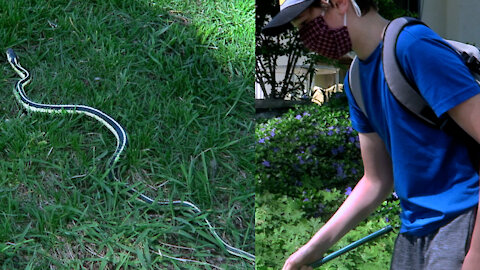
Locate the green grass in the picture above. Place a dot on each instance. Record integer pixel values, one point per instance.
(178, 75)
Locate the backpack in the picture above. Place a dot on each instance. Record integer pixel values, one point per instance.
(408, 95)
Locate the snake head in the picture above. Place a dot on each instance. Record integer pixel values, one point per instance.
(11, 56)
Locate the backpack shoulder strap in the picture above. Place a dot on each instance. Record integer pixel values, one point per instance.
(409, 96)
(355, 86)
(403, 91)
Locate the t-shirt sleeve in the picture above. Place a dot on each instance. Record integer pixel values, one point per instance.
(437, 70)
(359, 121)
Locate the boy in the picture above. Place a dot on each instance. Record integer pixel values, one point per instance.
(430, 171)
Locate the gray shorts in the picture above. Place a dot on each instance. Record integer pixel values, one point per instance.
(442, 250)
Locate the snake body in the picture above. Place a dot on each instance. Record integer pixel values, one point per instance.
(120, 135)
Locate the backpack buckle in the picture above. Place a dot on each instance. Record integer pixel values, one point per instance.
(471, 61)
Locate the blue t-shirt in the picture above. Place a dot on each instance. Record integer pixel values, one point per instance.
(433, 175)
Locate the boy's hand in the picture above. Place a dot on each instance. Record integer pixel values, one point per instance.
(300, 259)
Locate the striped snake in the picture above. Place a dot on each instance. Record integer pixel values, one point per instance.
(121, 136)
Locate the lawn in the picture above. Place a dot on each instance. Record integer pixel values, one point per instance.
(178, 76)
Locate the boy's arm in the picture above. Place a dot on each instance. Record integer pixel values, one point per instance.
(467, 115)
(369, 193)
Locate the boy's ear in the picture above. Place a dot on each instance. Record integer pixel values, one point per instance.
(342, 5)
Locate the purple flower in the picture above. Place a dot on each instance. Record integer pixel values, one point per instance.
(298, 116)
(276, 149)
(272, 133)
(340, 172)
(300, 159)
(348, 191)
(351, 139)
(338, 150)
(266, 163)
(306, 114)
(262, 140)
(306, 200)
(387, 219)
(395, 195)
(321, 206)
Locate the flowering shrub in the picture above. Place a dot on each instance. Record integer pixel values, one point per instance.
(309, 147)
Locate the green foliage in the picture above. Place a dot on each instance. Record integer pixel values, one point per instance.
(281, 227)
(390, 10)
(310, 147)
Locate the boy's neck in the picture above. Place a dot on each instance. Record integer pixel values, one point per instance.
(366, 33)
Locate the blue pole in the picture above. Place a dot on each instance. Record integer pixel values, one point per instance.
(351, 246)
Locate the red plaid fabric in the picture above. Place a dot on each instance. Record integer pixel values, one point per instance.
(331, 43)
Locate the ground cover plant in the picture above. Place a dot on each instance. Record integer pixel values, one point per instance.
(283, 224)
(308, 161)
(179, 77)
